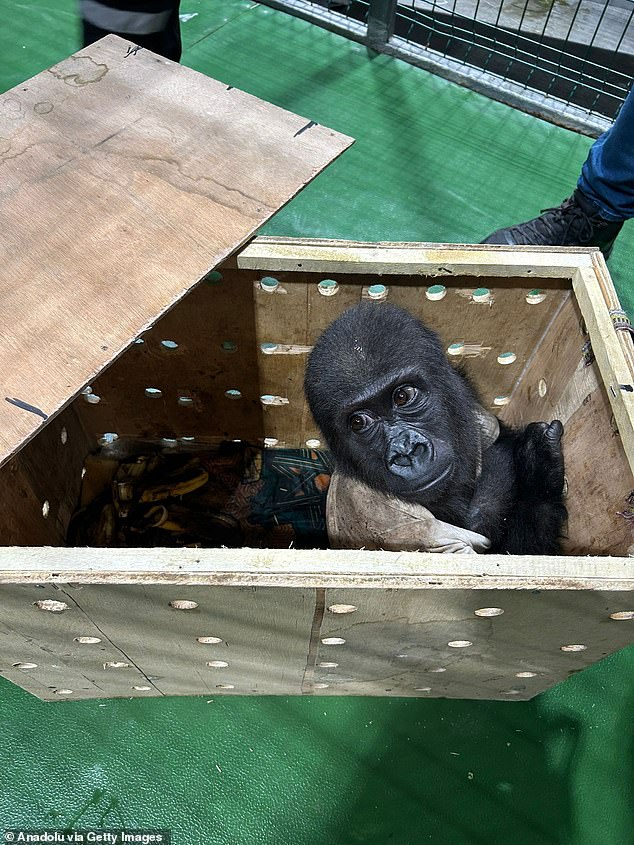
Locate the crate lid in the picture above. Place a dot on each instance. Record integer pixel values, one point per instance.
(125, 179)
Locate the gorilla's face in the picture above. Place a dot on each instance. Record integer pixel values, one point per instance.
(392, 409)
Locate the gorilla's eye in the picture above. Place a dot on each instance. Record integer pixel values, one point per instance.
(358, 422)
(403, 395)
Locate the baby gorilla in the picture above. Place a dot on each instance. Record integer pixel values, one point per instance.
(398, 417)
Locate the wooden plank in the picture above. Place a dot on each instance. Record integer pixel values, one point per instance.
(249, 640)
(125, 179)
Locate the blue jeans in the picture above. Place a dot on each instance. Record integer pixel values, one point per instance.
(607, 176)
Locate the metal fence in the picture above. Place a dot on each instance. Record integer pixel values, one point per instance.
(569, 61)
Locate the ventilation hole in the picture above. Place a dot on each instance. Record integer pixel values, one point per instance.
(342, 608)
(142, 689)
(510, 692)
(269, 348)
(327, 287)
(63, 692)
(422, 689)
(436, 292)
(213, 278)
(169, 344)
(437, 669)
(377, 292)
(232, 393)
(153, 392)
(91, 398)
(116, 664)
(217, 664)
(51, 605)
(169, 442)
(269, 442)
(208, 640)
(46, 509)
(333, 641)
(139, 341)
(269, 399)
(87, 640)
(501, 400)
(313, 443)
(526, 674)
(507, 358)
(455, 349)
(187, 438)
(83, 471)
(321, 686)
(622, 614)
(459, 643)
(481, 295)
(225, 686)
(228, 346)
(534, 297)
(180, 604)
(269, 284)
(574, 647)
(108, 437)
(327, 664)
(236, 440)
(489, 611)
(24, 665)
(63, 436)
(185, 401)
(542, 388)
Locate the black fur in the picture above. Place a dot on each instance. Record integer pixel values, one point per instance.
(400, 418)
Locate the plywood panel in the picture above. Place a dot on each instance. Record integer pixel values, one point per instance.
(365, 623)
(125, 179)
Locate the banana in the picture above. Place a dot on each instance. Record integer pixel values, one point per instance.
(185, 481)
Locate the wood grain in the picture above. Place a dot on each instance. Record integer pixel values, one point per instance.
(125, 179)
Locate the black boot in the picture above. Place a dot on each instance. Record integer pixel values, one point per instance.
(576, 222)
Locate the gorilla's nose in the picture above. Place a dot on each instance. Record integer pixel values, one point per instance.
(406, 449)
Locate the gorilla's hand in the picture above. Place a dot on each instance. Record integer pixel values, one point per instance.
(539, 461)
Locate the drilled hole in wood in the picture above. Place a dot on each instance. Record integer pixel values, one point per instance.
(208, 640)
(489, 611)
(63, 436)
(320, 686)
(501, 400)
(268, 348)
(327, 664)
(217, 664)
(333, 641)
(342, 608)
(46, 509)
(108, 437)
(225, 686)
(233, 393)
(422, 689)
(116, 664)
(153, 392)
(183, 604)
(455, 349)
(506, 358)
(510, 692)
(142, 689)
(574, 647)
(437, 669)
(269, 442)
(313, 443)
(526, 674)
(328, 287)
(620, 615)
(169, 344)
(269, 284)
(377, 292)
(213, 278)
(91, 397)
(542, 388)
(87, 640)
(459, 643)
(24, 665)
(482, 295)
(185, 401)
(169, 442)
(63, 692)
(228, 346)
(139, 341)
(436, 293)
(187, 438)
(534, 297)
(51, 605)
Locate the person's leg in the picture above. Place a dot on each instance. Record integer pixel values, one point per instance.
(604, 198)
(153, 24)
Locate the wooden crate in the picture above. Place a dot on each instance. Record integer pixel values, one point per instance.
(117, 202)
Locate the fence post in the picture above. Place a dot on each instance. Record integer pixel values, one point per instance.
(380, 23)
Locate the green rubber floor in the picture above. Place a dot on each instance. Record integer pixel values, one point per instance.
(432, 162)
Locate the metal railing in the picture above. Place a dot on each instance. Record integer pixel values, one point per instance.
(568, 61)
